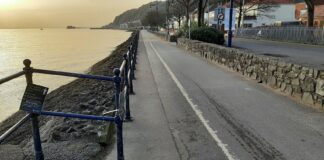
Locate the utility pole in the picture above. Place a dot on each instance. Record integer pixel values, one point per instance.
(230, 32)
(208, 13)
(167, 19)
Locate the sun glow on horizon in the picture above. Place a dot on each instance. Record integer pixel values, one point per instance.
(60, 13)
(7, 3)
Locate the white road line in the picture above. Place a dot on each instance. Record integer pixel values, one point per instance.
(196, 109)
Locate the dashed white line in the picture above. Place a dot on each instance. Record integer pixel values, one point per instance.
(198, 112)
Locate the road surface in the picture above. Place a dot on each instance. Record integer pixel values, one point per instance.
(186, 108)
(309, 55)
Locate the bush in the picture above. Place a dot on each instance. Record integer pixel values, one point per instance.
(208, 34)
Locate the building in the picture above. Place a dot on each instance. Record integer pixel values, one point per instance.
(302, 15)
(282, 11)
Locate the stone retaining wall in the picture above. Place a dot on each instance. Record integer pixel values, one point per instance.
(304, 83)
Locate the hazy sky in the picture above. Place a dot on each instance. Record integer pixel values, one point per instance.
(60, 13)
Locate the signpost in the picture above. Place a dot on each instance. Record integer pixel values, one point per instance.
(219, 16)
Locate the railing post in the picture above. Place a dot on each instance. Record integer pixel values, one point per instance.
(36, 135)
(131, 89)
(117, 81)
(28, 70)
(118, 119)
(120, 147)
(128, 117)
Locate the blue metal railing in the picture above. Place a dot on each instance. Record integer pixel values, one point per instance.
(123, 80)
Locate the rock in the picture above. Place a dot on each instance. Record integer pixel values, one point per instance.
(88, 128)
(99, 109)
(272, 68)
(296, 68)
(302, 76)
(87, 112)
(320, 87)
(249, 69)
(292, 75)
(297, 89)
(70, 130)
(309, 85)
(316, 72)
(11, 152)
(288, 89)
(281, 64)
(283, 87)
(83, 106)
(308, 98)
(295, 82)
(254, 76)
(273, 82)
(321, 74)
(93, 102)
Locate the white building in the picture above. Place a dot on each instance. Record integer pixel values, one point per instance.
(284, 12)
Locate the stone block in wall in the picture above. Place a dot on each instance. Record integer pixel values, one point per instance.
(296, 68)
(272, 82)
(320, 87)
(308, 85)
(283, 87)
(295, 82)
(282, 64)
(308, 98)
(297, 91)
(321, 74)
(292, 74)
(315, 74)
(289, 89)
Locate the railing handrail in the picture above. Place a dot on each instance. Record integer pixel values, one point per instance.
(126, 71)
(11, 77)
(70, 74)
(14, 127)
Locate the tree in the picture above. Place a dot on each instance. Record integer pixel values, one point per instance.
(202, 4)
(154, 19)
(262, 7)
(177, 12)
(200, 13)
(310, 11)
(186, 4)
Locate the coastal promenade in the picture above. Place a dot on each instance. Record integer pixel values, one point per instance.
(187, 108)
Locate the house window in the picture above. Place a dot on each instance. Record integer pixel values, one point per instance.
(322, 24)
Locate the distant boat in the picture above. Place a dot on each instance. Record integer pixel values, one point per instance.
(71, 27)
(41, 28)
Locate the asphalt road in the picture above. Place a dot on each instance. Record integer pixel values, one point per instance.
(309, 55)
(187, 108)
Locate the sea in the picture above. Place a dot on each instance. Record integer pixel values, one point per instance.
(71, 50)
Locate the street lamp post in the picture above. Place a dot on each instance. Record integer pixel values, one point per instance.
(230, 32)
(167, 3)
(167, 19)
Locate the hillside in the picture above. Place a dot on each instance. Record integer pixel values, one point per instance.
(137, 14)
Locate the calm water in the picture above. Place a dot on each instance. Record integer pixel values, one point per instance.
(55, 49)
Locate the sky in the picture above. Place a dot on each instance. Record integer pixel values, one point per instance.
(60, 13)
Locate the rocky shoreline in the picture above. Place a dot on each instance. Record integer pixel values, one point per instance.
(66, 138)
